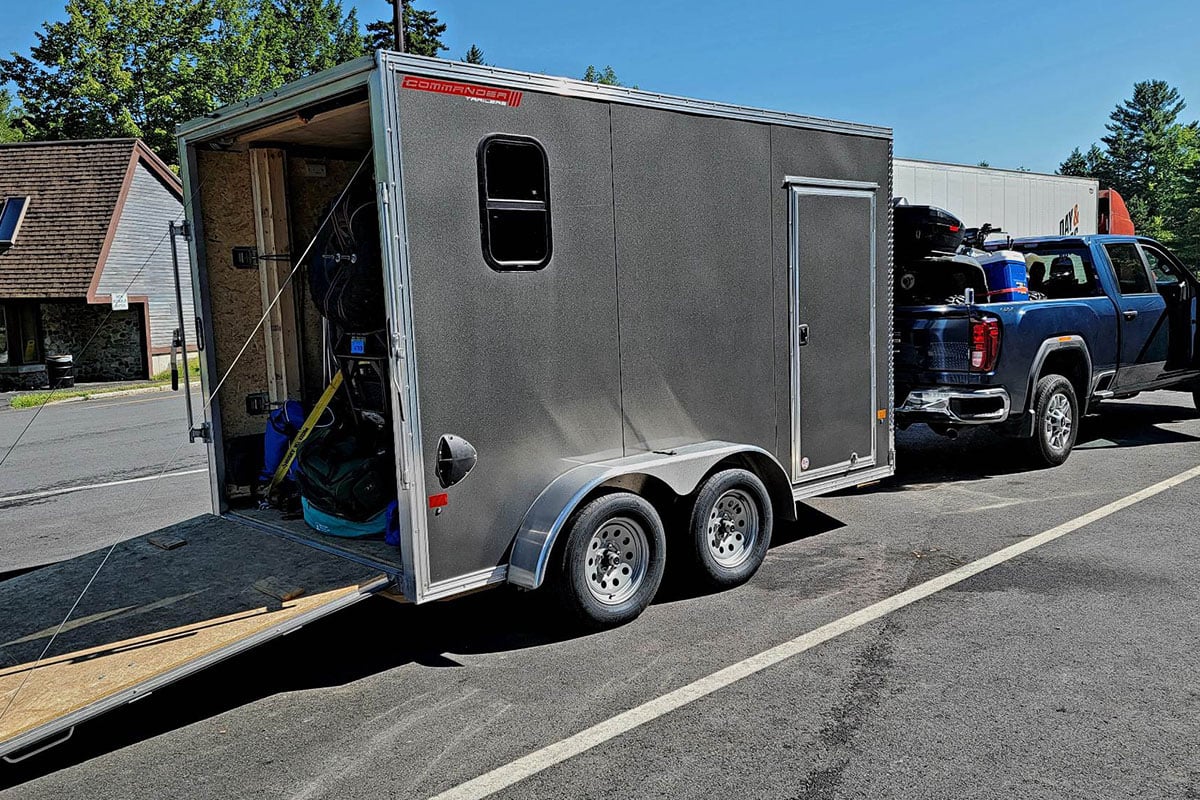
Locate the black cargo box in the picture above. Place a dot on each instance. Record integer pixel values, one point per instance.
(921, 230)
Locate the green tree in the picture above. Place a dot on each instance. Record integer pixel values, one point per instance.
(474, 56)
(422, 32)
(9, 119)
(117, 68)
(1146, 147)
(607, 76)
(258, 45)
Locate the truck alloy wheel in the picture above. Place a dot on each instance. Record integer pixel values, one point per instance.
(1056, 420)
(730, 528)
(612, 560)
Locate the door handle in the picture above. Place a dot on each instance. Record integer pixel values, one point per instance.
(1130, 314)
(803, 330)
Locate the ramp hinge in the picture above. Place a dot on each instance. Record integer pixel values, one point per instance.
(182, 229)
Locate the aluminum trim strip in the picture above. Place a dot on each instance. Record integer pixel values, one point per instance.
(494, 76)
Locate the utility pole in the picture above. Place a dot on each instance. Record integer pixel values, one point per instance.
(398, 23)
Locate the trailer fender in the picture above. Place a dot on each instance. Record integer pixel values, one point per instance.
(681, 469)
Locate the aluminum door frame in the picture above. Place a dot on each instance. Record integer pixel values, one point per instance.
(798, 187)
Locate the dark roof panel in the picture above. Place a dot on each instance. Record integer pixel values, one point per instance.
(74, 187)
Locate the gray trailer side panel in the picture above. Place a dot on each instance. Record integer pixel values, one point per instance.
(693, 210)
(521, 364)
(838, 157)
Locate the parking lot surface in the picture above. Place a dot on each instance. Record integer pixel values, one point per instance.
(1066, 671)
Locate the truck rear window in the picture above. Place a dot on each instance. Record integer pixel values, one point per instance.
(1060, 272)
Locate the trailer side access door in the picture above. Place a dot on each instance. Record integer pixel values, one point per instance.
(161, 607)
(832, 262)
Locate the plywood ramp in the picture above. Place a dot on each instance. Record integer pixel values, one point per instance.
(153, 614)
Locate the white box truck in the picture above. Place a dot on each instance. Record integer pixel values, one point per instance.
(1017, 202)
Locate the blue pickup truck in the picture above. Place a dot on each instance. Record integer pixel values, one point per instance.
(1113, 316)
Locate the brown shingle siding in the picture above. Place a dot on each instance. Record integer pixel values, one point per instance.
(75, 187)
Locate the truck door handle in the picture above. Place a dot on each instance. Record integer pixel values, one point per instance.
(803, 329)
(1130, 314)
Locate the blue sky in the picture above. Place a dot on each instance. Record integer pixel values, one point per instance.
(1017, 84)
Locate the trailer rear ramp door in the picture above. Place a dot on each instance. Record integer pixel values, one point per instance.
(164, 605)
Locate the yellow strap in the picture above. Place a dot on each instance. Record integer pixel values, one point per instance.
(311, 422)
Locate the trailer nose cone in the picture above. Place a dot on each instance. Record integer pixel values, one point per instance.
(456, 457)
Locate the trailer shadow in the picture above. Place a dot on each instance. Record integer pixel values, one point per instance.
(317, 657)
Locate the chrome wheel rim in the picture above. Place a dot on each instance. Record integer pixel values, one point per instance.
(732, 528)
(618, 556)
(1058, 422)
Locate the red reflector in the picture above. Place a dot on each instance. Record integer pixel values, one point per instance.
(439, 500)
(954, 229)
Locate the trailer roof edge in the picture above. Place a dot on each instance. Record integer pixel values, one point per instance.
(353, 73)
(570, 87)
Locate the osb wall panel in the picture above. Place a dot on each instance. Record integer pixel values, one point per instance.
(227, 213)
(310, 196)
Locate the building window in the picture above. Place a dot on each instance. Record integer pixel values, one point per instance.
(514, 203)
(3, 336)
(12, 212)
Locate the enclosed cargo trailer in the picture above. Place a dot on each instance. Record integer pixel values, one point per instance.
(617, 327)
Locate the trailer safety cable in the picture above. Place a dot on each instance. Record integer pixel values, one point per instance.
(171, 460)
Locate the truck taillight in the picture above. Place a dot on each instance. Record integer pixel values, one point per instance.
(985, 344)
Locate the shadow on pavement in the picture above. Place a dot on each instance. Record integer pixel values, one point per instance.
(923, 457)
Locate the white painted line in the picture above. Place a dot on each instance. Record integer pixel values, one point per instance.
(502, 777)
(17, 498)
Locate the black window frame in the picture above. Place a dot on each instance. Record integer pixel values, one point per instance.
(488, 204)
(1147, 274)
(1161, 255)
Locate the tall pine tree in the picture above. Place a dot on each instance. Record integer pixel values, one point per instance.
(422, 32)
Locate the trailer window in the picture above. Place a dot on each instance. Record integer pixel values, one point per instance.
(514, 203)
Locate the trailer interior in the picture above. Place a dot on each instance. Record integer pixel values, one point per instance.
(278, 202)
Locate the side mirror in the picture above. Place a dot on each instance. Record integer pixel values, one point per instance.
(456, 457)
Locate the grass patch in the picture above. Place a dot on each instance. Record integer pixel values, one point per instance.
(35, 399)
(165, 375)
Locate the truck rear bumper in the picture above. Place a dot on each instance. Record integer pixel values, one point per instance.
(956, 406)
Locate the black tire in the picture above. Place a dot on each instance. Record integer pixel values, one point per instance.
(1055, 421)
(730, 528)
(603, 555)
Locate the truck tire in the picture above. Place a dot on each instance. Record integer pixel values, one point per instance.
(1055, 421)
(612, 560)
(730, 528)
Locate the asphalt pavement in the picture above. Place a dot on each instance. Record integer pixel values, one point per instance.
(77, 477)
(1068, 671)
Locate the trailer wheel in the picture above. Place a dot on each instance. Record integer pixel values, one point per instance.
(1055, 421)
(730, 528)
(612, 560)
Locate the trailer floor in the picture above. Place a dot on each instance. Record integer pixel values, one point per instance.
(151, 610)
(372, 550)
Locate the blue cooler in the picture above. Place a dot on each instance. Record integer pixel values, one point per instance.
(1007, 277)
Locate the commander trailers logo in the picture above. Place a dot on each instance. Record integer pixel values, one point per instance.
(471, 91)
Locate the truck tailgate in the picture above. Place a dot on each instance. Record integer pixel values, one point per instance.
(163, 606)
(932, 339)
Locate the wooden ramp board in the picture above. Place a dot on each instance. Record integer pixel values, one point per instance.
(152, 616)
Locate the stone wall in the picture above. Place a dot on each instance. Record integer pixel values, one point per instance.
(118, 353)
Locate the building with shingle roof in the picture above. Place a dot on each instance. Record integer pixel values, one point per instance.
(85, 259)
